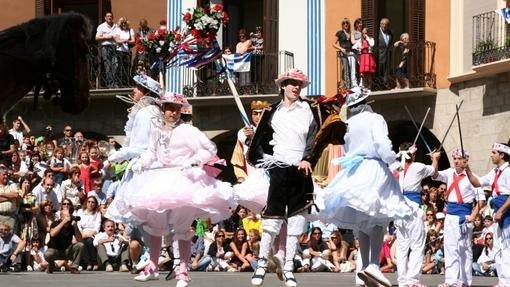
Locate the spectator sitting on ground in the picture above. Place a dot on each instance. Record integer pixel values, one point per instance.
(11, 247)
(37, 254)
(220, 253)
(60, 245)
(72, 188)
(112, 248)
(89, 225)
(254, 246)
(387, 264)
(197, 251)
(317, 253)
(239, 246)
(337, 250)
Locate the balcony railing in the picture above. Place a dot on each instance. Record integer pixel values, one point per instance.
(491, 38)
(264, 69)
(420, 67)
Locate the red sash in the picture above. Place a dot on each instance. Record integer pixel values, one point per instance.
(455, 185)
(495, 186)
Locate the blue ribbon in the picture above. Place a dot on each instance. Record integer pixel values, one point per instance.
(496, 203)
(414, 196)
(461, 210)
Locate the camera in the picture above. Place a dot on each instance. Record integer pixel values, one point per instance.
(76, 218)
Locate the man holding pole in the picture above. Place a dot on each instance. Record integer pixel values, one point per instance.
(461, 209)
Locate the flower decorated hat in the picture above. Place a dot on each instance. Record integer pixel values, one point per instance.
(356, 95)
(293, 74)
(173, 98)
(259, 105)
(459, 153)
(501, 148)
(148, 83)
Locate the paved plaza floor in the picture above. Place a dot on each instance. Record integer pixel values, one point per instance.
(199, 279)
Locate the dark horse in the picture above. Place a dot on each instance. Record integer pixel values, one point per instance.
(48, 53)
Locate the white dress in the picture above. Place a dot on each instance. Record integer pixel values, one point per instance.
(364, 193)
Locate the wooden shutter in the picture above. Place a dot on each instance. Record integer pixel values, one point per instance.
(369, 16)
(270, 35)
(42, 7)
(416, 30)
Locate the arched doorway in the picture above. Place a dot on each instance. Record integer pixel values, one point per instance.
(401, 131)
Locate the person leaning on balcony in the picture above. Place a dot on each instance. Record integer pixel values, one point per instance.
(401, 74)
(125, 39)
(344, 46)
(244, 46)
(105, 36)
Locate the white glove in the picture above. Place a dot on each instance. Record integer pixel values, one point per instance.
(137, 167)
(115, 156)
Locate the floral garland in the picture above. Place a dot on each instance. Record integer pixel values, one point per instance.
(201, 26)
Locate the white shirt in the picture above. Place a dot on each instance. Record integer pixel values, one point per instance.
(18, 135)
(89, 220)
(124, 35)
(468, 192)
(290, 125)
(104, 29)
(503, 180)
(112, 248)
(41, 195)
(416, 172)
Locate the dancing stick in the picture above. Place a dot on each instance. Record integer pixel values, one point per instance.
(237, 99)
(417, 128)
(460, 132)
(450, 126)
(421, 126)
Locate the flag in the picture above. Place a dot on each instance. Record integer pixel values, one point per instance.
(505, 13)
(238, 62)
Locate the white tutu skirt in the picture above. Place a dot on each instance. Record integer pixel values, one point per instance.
(161, 197)
(252, 193)
(117, 209)
(363, 196)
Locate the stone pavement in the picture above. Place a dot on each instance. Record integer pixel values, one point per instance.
(199, 279)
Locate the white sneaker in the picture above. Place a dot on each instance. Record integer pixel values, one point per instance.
(365, 280)
(29, 268)
(181, 283)
(290, 280)
(108, 268)
(376, 274)
(258, 276)
(144, 277)
(142, 263)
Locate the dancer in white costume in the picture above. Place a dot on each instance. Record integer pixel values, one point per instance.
(283, 144)
(411, 231)
(499, 179)
(140, 123)
(179, 190)
(462, 205)
(365, 196)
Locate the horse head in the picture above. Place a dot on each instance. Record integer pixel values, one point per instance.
(70, 63)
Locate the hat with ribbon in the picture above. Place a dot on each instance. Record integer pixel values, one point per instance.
(501, 148)
(173, 98)
(293, 74)
(148, 83)
(356, 95)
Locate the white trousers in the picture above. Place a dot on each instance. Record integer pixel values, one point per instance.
(410, 247)
(458, 253)
(271, 227)
(502, 247)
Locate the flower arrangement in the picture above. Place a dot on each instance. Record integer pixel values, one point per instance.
(203, 23)
(161, 42)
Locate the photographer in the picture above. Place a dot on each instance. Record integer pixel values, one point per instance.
(61, 244)
(112, 248)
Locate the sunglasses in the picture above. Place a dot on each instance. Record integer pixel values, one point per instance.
(220, 235)
(66, 203)
(68, 130)
(488, 238)
(314, 233)
(430, 214)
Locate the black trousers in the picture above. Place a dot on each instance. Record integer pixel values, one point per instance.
(290, 192)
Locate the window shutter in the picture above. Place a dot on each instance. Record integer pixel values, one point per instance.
(270, 35)
(416, 30)
(369, 16)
